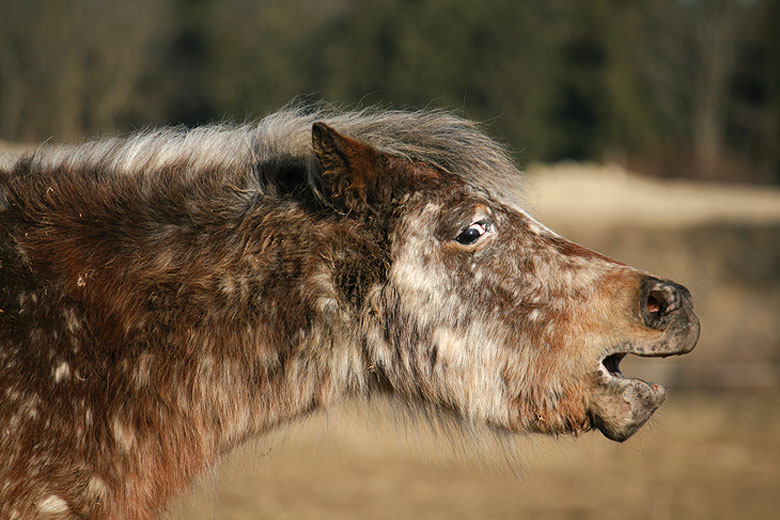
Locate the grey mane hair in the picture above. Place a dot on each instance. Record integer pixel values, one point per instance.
(455, 145)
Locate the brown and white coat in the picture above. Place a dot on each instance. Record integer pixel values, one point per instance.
(166, 296)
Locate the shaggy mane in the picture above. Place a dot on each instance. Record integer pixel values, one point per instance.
(282, 140)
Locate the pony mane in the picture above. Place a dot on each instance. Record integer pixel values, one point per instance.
(283, 139)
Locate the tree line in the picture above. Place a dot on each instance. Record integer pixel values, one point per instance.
(669, 87)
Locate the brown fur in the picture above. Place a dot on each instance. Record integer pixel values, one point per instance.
(166, 297)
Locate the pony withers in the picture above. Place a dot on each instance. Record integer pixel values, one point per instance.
(167, 296)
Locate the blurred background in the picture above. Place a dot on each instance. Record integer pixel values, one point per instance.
(668, 87)
(650, 131)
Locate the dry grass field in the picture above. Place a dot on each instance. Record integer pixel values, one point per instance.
(711, 452)
(704, 456)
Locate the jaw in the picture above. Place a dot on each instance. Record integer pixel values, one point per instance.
(621, 406)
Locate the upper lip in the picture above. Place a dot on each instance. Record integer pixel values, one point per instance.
(609, 364)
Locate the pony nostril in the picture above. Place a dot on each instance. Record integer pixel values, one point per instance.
(662, 299)
(654, 305)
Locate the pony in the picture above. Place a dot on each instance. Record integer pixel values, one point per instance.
(166, 296)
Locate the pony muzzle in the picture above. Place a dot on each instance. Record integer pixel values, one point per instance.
(621, 405)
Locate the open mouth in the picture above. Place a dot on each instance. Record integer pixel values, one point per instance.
(611, 364)
(621, 405)
(610, 368)
(610, 374)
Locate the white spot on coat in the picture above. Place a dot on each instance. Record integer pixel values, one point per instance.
(62, 372)
(97, 489)
(123, 435)
(72, 321)
(53, 504)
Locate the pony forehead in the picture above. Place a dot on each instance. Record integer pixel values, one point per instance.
(457, 146)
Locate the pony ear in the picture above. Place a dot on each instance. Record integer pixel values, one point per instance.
(350, 168)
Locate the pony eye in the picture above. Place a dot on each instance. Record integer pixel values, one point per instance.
(471, 234)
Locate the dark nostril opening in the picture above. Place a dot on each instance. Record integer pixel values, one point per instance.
(661, 299)
(654, 305)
